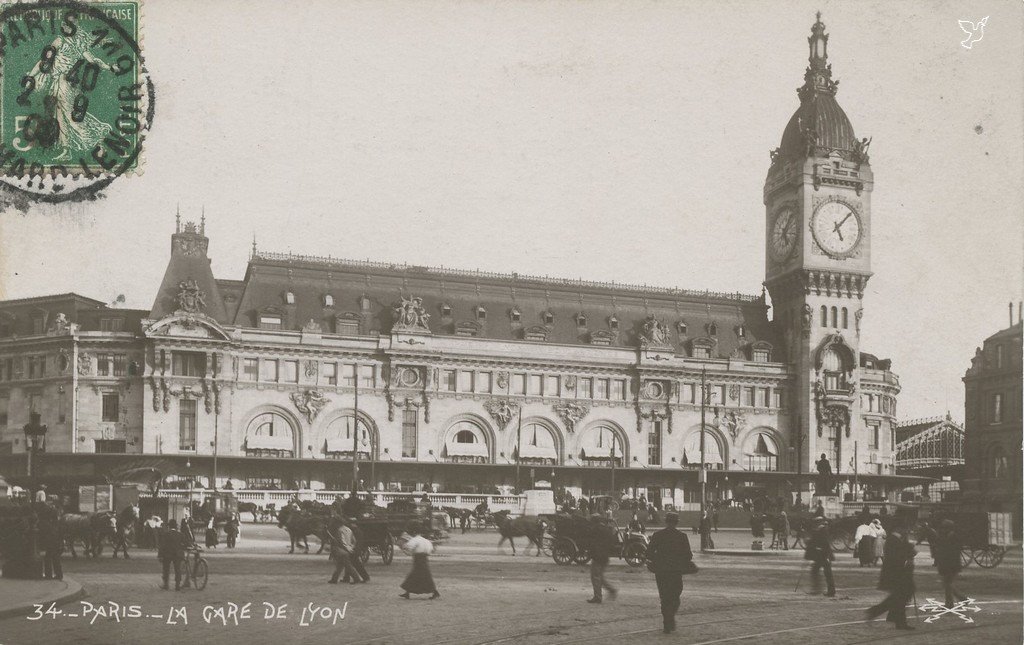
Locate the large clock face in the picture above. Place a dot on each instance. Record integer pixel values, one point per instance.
(784, 233)
(836, 228)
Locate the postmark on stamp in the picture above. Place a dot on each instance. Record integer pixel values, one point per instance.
(76, 100)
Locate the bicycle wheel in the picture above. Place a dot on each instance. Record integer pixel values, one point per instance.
(200, 574)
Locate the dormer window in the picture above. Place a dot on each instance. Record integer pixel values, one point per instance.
(741, 331)
(613, 323)
(328, 300)
(289, 298)
(515, 315)
(446, 310)
(581, 319)
(270, 321)
(548, 317)
(481, 313)
(681, 328)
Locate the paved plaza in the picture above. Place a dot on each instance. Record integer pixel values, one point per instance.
(489, 596)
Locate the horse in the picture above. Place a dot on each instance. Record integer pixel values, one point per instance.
(463, 515)
(531, 529)
(124, 528)
(300, 524)
(89, 528)
(249, 507)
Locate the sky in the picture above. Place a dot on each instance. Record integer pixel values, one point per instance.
(622, 141)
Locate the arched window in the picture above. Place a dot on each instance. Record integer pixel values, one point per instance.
(600, 445)
(997, 464)
(824, 316)
(537, 444)
(835, 372)
(761, 453)
(269, 435)
(835, 318)
(339, 440)
(712, 451)
(466, 443)
(846, 319)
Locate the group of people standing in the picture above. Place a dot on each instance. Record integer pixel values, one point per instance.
(869, 542)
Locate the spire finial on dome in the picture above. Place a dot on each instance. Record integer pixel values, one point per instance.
(818, 77)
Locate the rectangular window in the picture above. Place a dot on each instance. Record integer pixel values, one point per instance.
(465, 381)
(3, 412)
(111, 446)
(268, 370)
(186, 363)
(270, 322)
(778, 397)
(346, 326)
(654, 444)
(999, 357)
(31, 369)
(701, 352)
(61, 408)
(409, 418)
(550, 386)
(111, 325)
(35, 402)
(762, 397)
(250, 369)
(873, 432)
(760, 355)
(518, 384)
(120, 364)
(618, 390)
(719, 395)
(187, 411)
(348, 375)
(329, 373)
(42, 365)
(601, 388)
(111, 411)
(449, 382)
(689, 393)
(483, 382)
(367, 380)
(748, 397)
(586, 388)
(997, 408)
(289, 371)
(536, 384)
(37, 325)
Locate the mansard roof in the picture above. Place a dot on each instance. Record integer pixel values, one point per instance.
(369, 291)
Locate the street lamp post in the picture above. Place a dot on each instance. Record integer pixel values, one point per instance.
(34, 434)
(705, 399)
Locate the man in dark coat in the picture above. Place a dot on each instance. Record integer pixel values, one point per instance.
(668, 553)
(819, 552)
(171, 551)
(704, 527)
(51, 541)
(897, 578)
(601, 543)
(946, 547)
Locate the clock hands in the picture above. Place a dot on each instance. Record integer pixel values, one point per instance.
(839, 224)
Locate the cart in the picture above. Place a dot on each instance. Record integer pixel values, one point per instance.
(376, 537)
(569, 539)
(985, 537)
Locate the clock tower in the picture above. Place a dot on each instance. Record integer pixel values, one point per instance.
(817, 199)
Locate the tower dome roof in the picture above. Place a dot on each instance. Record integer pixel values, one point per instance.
(819, 127)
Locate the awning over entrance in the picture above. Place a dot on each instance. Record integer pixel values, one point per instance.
(268, 442)
(475, 449)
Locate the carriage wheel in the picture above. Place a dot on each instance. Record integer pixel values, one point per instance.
(989, 557)
(635, 554)
(363, 554)
(387, 552)
(613, 506)
(582, 556)
(200, 575)
(547, 545)
(966, 556)
(563, 551)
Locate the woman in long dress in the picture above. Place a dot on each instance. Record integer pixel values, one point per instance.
(879, 532)
(419, 579)
(864, 544)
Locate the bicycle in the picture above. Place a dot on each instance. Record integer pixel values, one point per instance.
(197, 570)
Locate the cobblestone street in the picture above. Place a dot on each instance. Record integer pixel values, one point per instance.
(489, 596)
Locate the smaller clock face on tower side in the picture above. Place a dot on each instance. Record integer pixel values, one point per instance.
(784, 233)
(837, 229)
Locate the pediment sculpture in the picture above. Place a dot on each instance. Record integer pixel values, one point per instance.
(572, 414)
(501, 410)
(411, 315)
(191, 299)
(653, 333)
(309, 403)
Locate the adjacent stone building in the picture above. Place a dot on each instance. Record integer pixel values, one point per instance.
(466, 381)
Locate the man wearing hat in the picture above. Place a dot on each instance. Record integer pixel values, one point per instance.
(668, 553)
(819, 552)
(601, 538)
(947, 559)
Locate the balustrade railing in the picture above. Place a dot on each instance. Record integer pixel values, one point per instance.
(263, 498)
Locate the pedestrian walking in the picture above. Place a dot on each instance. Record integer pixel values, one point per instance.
(419, 579)
(785, 528)
(819, 552)
(864, 544)
(947, 560)
(601, 541)
(51, 541)
(714, 517)
(171, 552)
(231, 531)
(356, 559)
(897, 578)
(706, 542)
(668, 556)
(211, 535)
(343, 546)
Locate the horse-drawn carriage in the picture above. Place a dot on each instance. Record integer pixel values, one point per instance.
(376, 537)
(841, 530)
(570, 537)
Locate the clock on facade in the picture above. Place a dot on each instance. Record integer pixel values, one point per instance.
(784, 233)
(836, 228)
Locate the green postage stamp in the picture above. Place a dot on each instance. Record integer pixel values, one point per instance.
(75, 99)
